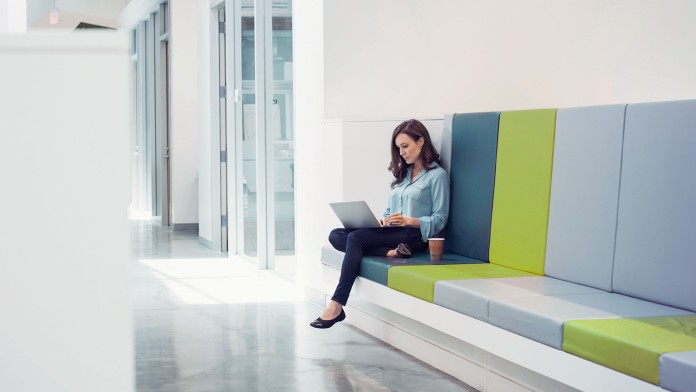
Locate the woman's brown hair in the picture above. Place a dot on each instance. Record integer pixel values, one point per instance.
(415, 130)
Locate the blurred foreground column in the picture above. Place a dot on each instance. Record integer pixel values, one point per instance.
(13, 16)
(65, 311)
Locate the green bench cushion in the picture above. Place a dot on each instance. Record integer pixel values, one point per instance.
(419, 280)
(522, 189)
(631, 346)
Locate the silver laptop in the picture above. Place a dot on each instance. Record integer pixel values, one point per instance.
(355, 215)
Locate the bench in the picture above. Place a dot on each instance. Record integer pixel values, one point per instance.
(570, 253)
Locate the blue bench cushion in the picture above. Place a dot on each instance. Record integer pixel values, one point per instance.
(472, 175)
(656, 231)
(678, 371)
(471, 297)
(541, 318)
(376, 268)
(584, 195)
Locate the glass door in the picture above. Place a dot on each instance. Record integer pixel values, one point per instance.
(260, 52)
(247, 235)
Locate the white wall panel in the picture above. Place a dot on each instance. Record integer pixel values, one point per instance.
(184, 115)
(411, 58)
(205, 211)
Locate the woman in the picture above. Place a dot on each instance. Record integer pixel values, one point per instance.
(418, 210)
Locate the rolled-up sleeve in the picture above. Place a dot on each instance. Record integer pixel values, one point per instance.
(431, 225)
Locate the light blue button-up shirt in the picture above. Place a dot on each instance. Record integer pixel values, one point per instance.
(425, 198)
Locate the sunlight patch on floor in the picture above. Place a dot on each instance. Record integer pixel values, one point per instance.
(221, 281)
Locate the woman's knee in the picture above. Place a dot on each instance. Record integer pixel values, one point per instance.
(337, 238)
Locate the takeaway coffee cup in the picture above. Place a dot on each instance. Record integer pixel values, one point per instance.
(436, 246)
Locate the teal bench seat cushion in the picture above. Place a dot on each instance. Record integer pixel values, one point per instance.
(472, 176)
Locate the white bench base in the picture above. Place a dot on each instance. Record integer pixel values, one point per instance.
(484, 356)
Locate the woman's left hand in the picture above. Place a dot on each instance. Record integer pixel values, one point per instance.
(396, 219)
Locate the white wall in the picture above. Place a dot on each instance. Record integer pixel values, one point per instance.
(412, 58)
(205, 212)
(183, 82)
(65, 255)
(184, 111)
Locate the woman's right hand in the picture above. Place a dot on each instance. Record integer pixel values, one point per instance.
(381, 221)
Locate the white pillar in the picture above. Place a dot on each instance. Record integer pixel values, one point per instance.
(13, 16)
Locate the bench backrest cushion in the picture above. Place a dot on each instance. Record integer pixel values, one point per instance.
(585, 194)
(522, 188)
(472, 176)
(656, 229)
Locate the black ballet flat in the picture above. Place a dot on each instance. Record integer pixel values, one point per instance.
(323, 324)
(403, 251)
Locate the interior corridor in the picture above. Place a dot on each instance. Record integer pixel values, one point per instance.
(205, 322)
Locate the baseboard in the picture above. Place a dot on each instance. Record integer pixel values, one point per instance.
(205, 242)
(192, 227)
(315, 296)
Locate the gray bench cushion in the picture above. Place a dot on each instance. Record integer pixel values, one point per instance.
(541, 318)
(471, 297)
(678, 371)
(584, 195)
(656, 232)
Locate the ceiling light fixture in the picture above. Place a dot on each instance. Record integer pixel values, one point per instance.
(53, 17)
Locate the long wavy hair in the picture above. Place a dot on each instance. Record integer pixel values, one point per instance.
(415, 130)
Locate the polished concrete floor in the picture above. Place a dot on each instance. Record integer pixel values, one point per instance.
(207, 323)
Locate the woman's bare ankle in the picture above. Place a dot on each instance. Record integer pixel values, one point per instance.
(333, 309)
(392, 253)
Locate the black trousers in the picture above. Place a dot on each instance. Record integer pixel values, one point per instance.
(371, 242)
